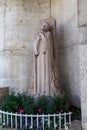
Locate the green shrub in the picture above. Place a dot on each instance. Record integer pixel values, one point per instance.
(24, 104)
(11, 103)
(28, 103)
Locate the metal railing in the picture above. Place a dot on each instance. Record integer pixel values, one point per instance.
(36, 122)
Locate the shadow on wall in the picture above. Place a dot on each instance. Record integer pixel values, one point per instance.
(69, 68)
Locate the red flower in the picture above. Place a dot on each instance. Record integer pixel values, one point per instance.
(40, 110)
(61, 111)
(16, 107)
(57, 112)
(21, 111)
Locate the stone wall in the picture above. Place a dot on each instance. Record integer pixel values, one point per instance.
(19, 22)
(65, 13)
(82, 9)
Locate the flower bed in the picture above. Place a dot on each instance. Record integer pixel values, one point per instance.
(35, 122)
(23, 104)
(26, 112)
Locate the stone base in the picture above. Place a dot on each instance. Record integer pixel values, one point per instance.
(3, 94)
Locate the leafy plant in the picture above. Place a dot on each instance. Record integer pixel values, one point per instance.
(25, 104)
(28, 103)
(41, 104)
(48, 127)
(11, 103)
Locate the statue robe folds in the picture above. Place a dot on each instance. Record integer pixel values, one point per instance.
(45, 70)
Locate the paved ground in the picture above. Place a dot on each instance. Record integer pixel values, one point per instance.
(76, 125)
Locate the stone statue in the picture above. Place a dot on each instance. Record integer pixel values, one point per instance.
(45, 71)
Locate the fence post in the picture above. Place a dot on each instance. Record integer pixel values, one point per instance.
(60, 121)
(37, 121)
(26, 120)
(11, 121)
(65, 120)
(20, 121)
(54, 122)
(0, 118)
(70, 118)
(16, 120)
(3, 118)
(7, 119)
(43, 121)
(31, 121)
(48, 120)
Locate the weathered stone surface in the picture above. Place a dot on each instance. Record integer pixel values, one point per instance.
(3, 94)
(65, 13)
(82, 12)
(18, 25)
(21, 28)
(2, 24)
(45, 79)
(69, 73)
(70, 22)
(15, 72)
(82, 8)
(83, 79)
(4, 90)
(83, 35)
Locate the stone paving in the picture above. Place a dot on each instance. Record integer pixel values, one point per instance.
(76, 125)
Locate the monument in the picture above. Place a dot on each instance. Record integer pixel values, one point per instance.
(45, 80)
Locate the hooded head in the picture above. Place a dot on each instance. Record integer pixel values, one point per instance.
(45, 26)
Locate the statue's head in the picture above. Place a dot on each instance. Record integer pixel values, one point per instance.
(45, 26)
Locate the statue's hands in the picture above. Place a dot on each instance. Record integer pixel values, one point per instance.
(38, 37)
(41, 35)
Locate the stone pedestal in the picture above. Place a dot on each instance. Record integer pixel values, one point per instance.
(3, 94)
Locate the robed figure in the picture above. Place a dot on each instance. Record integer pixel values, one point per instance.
(45, 79)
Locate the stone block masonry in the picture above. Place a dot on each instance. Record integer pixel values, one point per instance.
(18, 27)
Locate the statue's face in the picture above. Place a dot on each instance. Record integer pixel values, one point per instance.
(45, 27)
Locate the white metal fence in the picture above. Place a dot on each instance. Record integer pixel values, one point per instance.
(36, 122)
